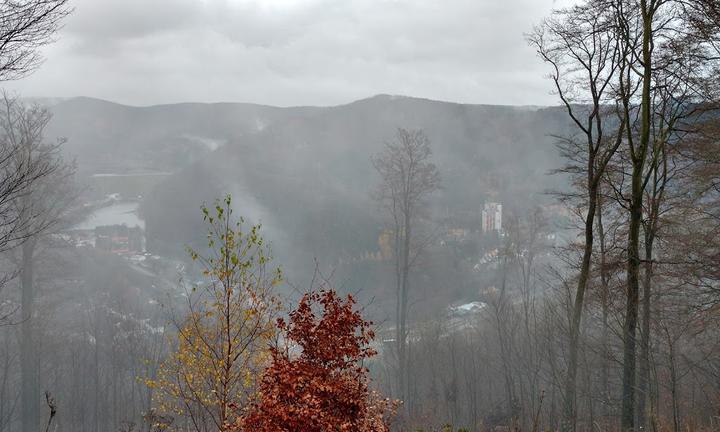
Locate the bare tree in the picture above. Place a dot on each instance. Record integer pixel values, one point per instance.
(407, 178)
(26, 26)
(581, 48)
(663, 88)
(38, 211)
(637, 22)
(17, 174)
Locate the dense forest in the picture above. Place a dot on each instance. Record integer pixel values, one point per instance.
(390, 264)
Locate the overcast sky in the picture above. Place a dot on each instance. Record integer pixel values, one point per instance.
(296, 52)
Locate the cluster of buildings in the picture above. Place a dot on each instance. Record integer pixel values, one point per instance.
(113, 226)
(120, 239)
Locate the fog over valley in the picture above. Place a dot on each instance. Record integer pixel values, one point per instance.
(359, 216)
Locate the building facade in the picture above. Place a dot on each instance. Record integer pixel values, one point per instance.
(492, 217)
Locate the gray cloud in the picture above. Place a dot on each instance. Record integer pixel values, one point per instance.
(291, 52)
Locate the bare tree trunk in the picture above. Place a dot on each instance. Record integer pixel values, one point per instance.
(569, 411)
(673, 383)
(638, 156)
(5, 386)
(505, 337)
(560, 44)
(53, 410)
(96, 373)
(403, 311)
(554, 373)
(30, 392)
(644, 367)
(605, 305)
(632, 304)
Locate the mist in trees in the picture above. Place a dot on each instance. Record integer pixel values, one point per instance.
(390, 264)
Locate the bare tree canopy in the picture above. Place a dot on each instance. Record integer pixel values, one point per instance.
(26, 26)
(406, 171)
(408, 177)
(25, 159)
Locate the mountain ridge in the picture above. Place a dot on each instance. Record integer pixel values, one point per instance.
(380, 96)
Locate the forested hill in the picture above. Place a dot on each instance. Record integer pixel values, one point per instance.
(109, 137)
(306, 172)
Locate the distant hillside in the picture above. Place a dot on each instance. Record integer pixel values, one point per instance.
(305, 172)
(109, 137)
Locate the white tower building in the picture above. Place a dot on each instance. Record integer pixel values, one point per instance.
(492, 217)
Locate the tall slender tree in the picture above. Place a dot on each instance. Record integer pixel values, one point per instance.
(662, 91)
(39, 211)
(582, 50)
(407, 178)
(25, 27)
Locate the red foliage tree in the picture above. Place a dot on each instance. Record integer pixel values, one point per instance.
(318, 383)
